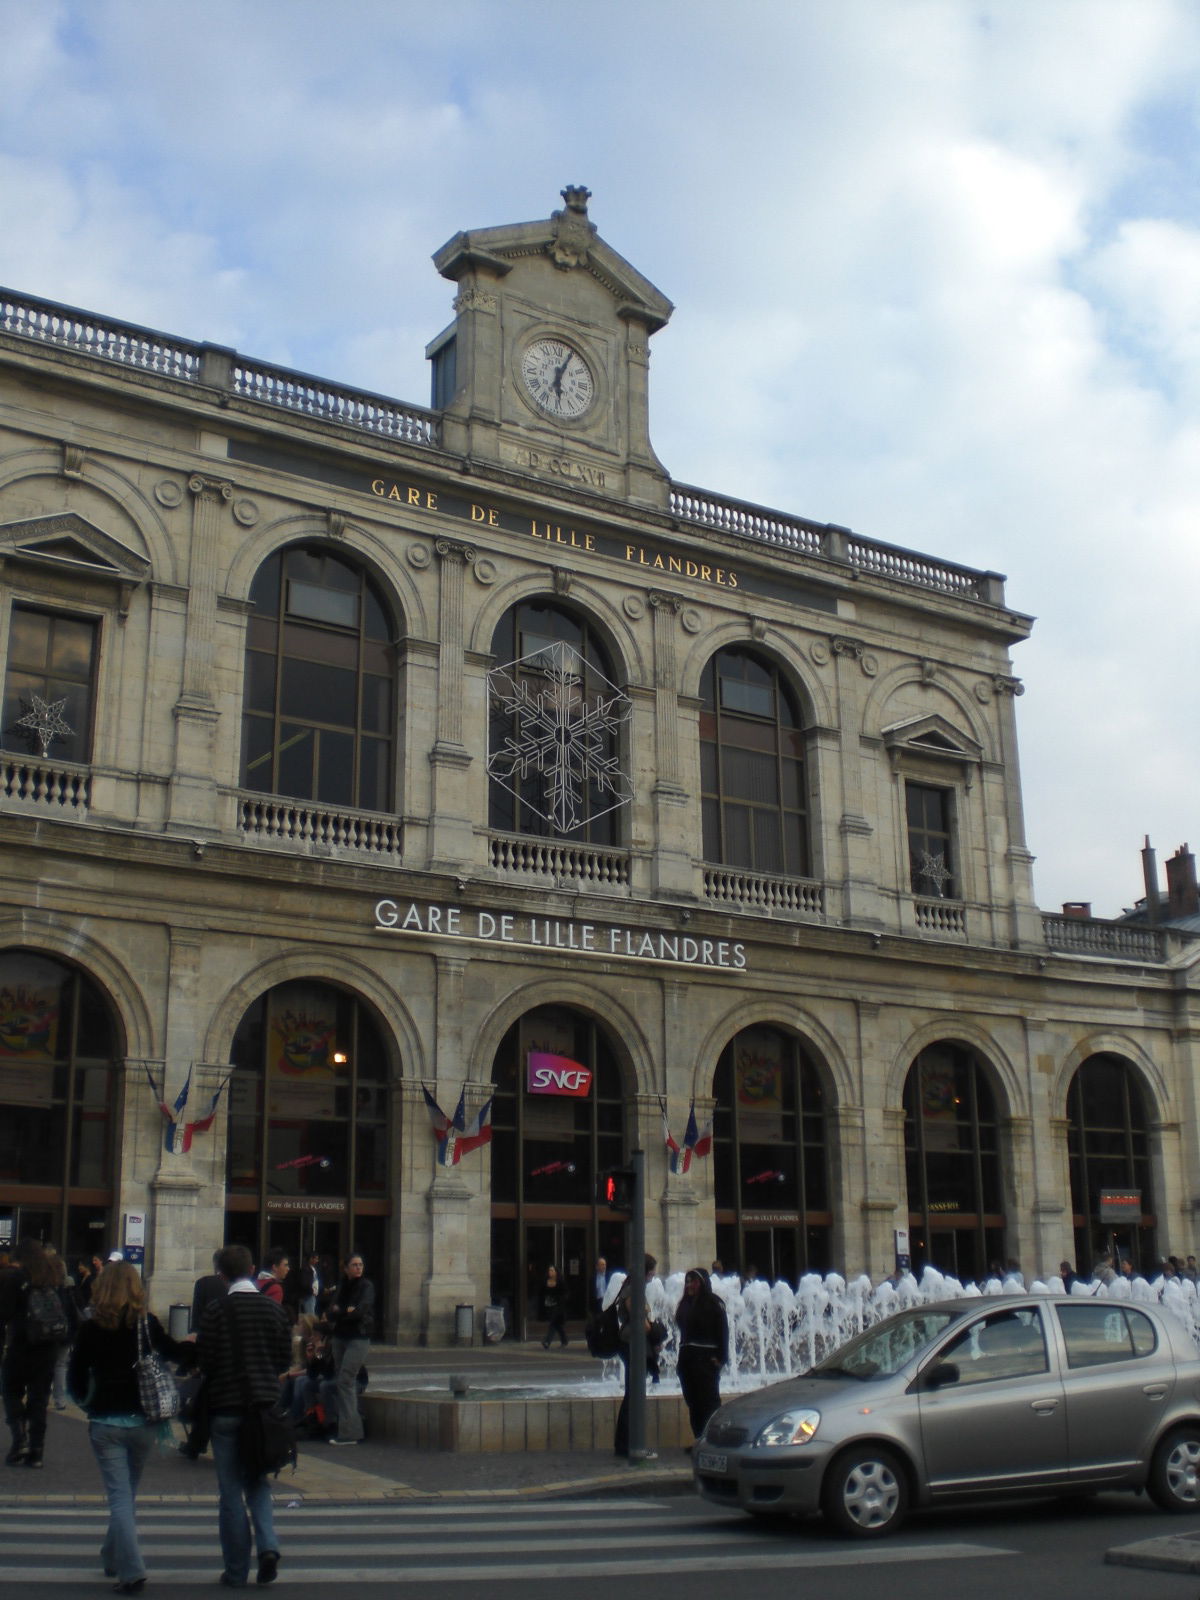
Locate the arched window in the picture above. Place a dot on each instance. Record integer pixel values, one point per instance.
(952, 1159)
(319, 704)
(554, 728)
(58, 1042)
(307, 1153)
(770, 1162)
(1108, 1144)
(752, 776)
(550, 1141)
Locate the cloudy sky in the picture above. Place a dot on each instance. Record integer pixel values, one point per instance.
(936, 264)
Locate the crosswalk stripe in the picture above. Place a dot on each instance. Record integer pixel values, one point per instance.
(778, 1559)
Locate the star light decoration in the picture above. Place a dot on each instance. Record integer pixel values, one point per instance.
(45, 721)
(933, 871)
(563, 731)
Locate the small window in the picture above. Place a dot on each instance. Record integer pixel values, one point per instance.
(49, 685)
(930, 844)
(1009, 1344)
(1096, 1334)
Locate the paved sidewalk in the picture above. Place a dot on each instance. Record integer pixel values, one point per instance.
(379, 1471)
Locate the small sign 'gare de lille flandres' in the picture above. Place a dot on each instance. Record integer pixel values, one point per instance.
(555, 933)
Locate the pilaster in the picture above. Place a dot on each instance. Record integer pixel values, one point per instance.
(193, 800)
(452, 832)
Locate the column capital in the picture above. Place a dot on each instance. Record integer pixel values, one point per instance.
(206, 488)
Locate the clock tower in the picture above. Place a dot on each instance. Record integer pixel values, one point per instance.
(544, 370)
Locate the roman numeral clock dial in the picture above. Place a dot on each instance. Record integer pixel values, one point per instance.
(558, 379)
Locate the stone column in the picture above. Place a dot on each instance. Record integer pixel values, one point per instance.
(1021, 1194)
(1025, 928)
(859, 867)
(674, 808)
(193, 796)
(452, 842)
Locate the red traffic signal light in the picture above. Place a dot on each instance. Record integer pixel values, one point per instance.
(615, 1189)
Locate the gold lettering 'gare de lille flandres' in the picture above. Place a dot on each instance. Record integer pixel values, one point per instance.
(421, 499)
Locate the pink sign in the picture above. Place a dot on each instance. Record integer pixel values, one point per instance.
(550, 1074)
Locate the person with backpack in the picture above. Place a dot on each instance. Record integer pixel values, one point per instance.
(33, 1324)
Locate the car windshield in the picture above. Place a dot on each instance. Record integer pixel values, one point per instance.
(882, 1351)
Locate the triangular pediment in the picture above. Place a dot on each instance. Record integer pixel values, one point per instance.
(932, 735)
(66, 539)
(572, 242)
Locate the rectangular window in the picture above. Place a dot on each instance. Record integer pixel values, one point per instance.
(930, 846)
(49, 685)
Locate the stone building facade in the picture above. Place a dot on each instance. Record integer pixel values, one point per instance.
(357, 755)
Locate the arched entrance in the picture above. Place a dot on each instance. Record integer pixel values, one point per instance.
(770, 1161)
(58, 1092)
(558, 1121)
(952, 1161)
(309, 1129)
(1109, 1149)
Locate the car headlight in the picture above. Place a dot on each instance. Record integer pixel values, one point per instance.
(793, 1427)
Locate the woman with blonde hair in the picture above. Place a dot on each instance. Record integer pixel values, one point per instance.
(101, 1378)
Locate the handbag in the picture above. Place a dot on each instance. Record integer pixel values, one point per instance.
(158, 1394)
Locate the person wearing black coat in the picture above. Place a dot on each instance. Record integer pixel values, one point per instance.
(101, 1378)
(703, 1347)
(27, 1370)
(350, 1319)
(554, 1308)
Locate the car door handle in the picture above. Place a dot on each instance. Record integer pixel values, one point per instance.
(1154, 1391)
(1044, 1408)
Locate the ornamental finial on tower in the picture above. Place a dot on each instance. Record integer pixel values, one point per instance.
(573, 233)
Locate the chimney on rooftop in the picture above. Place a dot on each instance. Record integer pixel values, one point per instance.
(1150, 878)
(1077, 908)
(1183, 892)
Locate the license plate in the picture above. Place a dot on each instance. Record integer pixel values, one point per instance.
(710, 1461)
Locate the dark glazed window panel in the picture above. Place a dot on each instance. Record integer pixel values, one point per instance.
(376, 704)
(51, 656)
(260, 681)
(296, 757)
(335, 768)
(324, 694)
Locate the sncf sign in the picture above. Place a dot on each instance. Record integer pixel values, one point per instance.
(550, 1074)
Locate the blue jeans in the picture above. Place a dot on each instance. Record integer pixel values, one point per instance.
(121, 1455)
(349, 1356)
(238, 1495)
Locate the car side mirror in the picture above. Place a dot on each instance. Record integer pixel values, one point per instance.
(943, 1373)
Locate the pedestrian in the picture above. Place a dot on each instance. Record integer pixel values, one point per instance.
(703, 1347)
(62, 1350)
(310, 1284)
(554, 1308)
(102, 1379)
(271, 1276)
(245, 1349)
(350, 1319)
(1068, 1275)
(32, 1324)
(599, 1285)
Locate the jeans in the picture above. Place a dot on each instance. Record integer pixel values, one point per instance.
(121, 1456)
(349, 1356)
(25, 1378)
(237, 1496)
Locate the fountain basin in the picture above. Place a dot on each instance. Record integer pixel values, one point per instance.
(486, 1421)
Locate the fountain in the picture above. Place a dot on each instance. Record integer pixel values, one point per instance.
(776, 1331)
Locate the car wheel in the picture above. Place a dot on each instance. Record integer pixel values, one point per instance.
(1174, 1481)
(865, 1494)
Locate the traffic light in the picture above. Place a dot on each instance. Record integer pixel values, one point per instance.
(615, 1189)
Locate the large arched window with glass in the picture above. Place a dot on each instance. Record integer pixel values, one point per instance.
(952, 1162)
(752, 767)
(320, 689)
(58, 1088)
(1108, 1142)
(770, 1157)
(558, 1121)
(309, 1126)
(556, 719)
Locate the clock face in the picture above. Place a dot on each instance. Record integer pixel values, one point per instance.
(558, 379)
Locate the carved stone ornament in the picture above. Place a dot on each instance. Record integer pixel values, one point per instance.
(247, 513)
(573, 233)
(852, 648)
(74, 457)
(474, 300)
(418, 556)
(819, 652)
(690, 619)
(214, 488)
(758, 629)
(485, 570)
(1006, 685)
(168, 493)
(660, 600)
(633, 608)
(453, 550)
(562, 580)
(983, 691)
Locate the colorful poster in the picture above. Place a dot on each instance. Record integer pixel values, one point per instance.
(759, 1066)
(302, 1073)
(28, 1021)
(939, 1102)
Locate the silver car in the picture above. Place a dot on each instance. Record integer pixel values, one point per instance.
(968, 1400)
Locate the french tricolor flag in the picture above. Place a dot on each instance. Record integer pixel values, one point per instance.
(697, 1141)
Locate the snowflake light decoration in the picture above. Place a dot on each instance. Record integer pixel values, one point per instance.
(45, 721)
(933, 871)
(562, 731)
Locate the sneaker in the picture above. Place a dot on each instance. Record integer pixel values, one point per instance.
(333, 1439)
(268, 1566)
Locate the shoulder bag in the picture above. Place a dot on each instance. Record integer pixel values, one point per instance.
(158, 1393)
